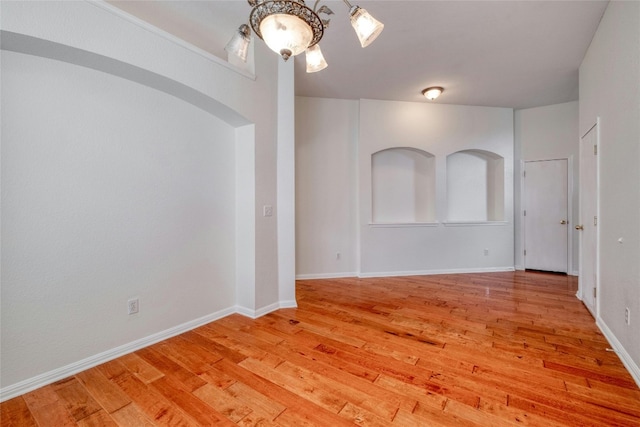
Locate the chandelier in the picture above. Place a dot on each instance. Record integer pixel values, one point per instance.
(289, 27)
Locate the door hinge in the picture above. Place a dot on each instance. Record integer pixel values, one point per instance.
(525, 252)
(594, 292)
(595, 150)
(524, 213)
(524, 174)
(595, 220)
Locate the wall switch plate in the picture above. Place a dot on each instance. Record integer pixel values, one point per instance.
(133, 306)
(267, 210)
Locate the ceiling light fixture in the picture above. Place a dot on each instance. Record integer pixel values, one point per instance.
(239, 43)
(315, 59)
(289, 27)
(431, 93)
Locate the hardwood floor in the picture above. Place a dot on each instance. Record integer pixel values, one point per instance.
(496, 349)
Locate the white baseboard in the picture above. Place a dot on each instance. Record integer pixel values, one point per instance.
(289, 304)
(326, 275)
(519, 267)
(627, 361)
(574, 273)
(254, 314)
(52, 376)
(432, 272)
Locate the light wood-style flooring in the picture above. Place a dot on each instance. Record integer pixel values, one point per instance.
(497, 349)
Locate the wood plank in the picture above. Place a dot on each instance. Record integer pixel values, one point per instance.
(108, 395)
(166, 367)
(77, 399)
(223, 402)
(289, 381)
(189, 403)
(144, 371)
(414, 419)
(15, 412)
(189, 355)
(157, 409)
(385, 409)
(614, 400)
(203, 337)
(131, 415)
(265, 406)
(558, 413)
(298, 408)
(362, 417)
(467, 414)
(625, 382)
(290, 418)
(415, 392)
(47, 408)
(98, 419)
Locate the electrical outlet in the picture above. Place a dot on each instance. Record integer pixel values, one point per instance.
(486, 252)
(627, 316)
(267, 210)
(133, 306)
(337, 255)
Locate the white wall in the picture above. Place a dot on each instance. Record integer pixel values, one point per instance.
(286, 203)
(335, 140)
(326, 198)
(440, 130)
(142, 197)
(546, 133)
(609, 90)
(110, 190)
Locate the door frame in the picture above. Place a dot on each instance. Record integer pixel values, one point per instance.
(580, 292)
(570, 210)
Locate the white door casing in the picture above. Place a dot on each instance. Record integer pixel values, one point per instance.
(588, 225)
(546, 217)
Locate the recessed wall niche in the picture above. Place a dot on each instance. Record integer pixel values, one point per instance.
(475, 186)
(403, 186)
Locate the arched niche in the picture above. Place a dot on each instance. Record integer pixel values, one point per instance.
(403, 186)
(475, 186)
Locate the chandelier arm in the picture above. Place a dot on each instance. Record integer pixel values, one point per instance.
(347, 3)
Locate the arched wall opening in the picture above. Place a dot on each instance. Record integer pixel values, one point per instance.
(403, 186)
(475, 186)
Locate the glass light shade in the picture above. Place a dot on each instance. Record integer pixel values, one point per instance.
(432, 93)
(239, 43)
(286, 34)
(366, 26)
(315, 59)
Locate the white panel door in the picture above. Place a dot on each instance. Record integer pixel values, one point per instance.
(546, 215)
(588, 279)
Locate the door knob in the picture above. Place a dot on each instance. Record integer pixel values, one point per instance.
(579, 227)
(563, 222)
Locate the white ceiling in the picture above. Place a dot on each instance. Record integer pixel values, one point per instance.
(516, 54)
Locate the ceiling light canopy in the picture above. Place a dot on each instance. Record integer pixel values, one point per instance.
(431, 93)
(289, 27)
